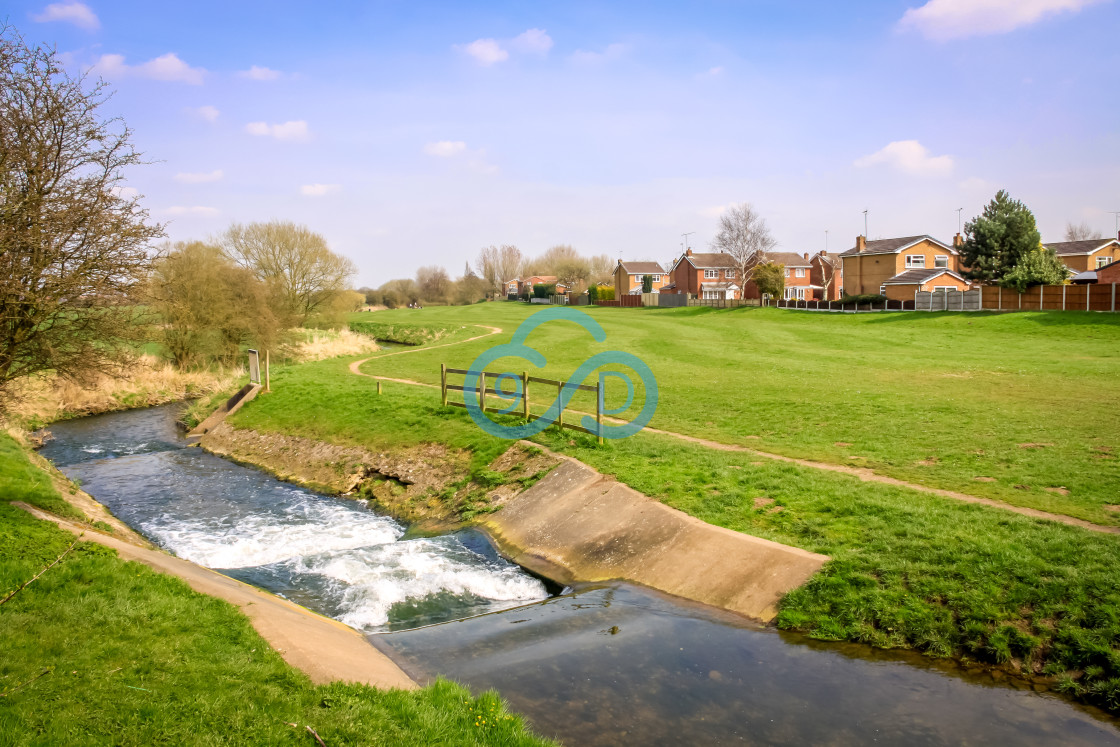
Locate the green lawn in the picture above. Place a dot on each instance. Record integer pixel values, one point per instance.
(100, 651)
(909, 569)
(1020, 399)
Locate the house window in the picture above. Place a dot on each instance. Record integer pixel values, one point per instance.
(916, 260)
(799, 272)
(941, 260)
(729, 274)
(656, 278)
(795, 293)
(1102, 261)
(882, 290)
(787, 272)
(711, 274)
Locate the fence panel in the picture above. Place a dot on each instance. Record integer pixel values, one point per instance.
(672, 300)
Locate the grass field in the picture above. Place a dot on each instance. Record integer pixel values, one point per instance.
(909, 569)
(1020, 400)
(100, 651)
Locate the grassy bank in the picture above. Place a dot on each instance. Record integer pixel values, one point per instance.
(1006, 406)
(103, 651)
(909, 569)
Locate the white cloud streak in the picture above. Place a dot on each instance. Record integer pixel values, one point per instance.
(295, 131)
(943, 20)
(78, 14)
(199, 178)
(166, 67)
(256, 72)
(486, 52)
(191, 210)
(319, 190)
(209, 113)
(445, 148)
(909, 157)
(532, 41)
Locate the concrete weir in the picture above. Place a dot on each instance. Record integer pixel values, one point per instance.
(577, 525)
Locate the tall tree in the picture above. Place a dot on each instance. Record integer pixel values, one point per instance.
(770, 279)
(296, 262)
(743, 234)
(1081, 232)
(997, 239)
(1039, 266)
(434, 284)
(73, 243)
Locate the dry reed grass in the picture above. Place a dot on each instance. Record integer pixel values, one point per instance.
(320, 344)
(149, 382)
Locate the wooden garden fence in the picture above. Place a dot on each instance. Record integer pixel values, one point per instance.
(483, 391)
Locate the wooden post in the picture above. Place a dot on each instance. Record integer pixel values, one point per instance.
(379, 387)
(1042, 292)
(443, 384)
(560, 404)
(1064, 298)
(267, 378)
(1114, 296)
(999, 298)
(980, 298)
(482, 402)
(1088, 294)
(599, 393)
(525, 394)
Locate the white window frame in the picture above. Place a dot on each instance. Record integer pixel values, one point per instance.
(795, 292)
(799, 272)
(787, 272)
(882, 290)
(656, 278)
(912, 261)
(941, 261)
(1103, 261)
(729, 274)
(945, 288)
(711, 274)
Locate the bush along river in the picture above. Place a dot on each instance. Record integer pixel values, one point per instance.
(613, 664)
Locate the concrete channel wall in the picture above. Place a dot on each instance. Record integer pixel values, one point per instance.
(577, 525)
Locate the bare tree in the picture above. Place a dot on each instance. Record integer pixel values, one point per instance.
(743, 235)
(73, 243)
(1081, 232)
(295, 261)
(434, 283)
(601, 268)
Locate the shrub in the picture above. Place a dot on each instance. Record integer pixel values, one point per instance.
(864, 298)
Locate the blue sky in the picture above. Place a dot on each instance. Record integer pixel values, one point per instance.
(416, 133)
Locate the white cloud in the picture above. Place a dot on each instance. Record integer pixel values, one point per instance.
(942, 20)
(318, 190)
(295, 131)
(78, 14)
(209, 113)
(445, 148)
(166, 67)
(612, 52)
(976, 184)
(256, 72)
(191, 210)
(910, 157)
(486, 51)
(125, 193)
(533, 41)
(199, 178)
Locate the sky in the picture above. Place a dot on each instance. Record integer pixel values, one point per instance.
(415, 133)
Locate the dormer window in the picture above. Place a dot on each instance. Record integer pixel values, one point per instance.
(915, 261)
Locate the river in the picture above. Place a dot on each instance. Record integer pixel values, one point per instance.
(611, 664)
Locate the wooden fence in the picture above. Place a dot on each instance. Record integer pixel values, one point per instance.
(482, 391)
(626, 301)
(888, 305)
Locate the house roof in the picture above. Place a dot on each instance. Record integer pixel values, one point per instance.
(789, 259)
(718, 287)
(828, 259)
(643, 268)
(714, 261)
(541, 278)
(1089, 276)
(1064, 248)
(894, 246)
(917, 277)
(670, 286)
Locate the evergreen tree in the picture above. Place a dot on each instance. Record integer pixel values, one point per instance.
(1038, 267)
(997, 239)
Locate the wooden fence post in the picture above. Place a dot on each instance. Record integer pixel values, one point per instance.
(999, 298)
(560, 404)
(1041, 293)
(482, 403)
(1064, 297)
(267, 374)
(599, 410)
(1088, 295)
(379, 387)
(980, 298)
(443, 384)
(1114, 296)
(525, 394)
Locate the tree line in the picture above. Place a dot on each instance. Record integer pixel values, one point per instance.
(487, 275)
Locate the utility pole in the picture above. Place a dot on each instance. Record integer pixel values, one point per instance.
(826, 241)
(686, 235)
(959, 219)
(865, 224)
(1116, 223)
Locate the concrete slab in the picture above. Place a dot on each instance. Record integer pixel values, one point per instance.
(578, 525)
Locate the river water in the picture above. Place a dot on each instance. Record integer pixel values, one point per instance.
(605, 665)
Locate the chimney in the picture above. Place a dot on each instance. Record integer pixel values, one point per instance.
(958, 241)
(688, 252)
(861, 243)
(806, 255)
(824, 252)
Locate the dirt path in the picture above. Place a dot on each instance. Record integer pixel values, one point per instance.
(863, 473)
(324, 649)
(356, 365)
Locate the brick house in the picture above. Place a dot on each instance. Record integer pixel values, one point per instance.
(902, 287)
(1110, 273)
(827, 273)
(711, 276)
(628, 277)
(871, 266)
(798, 275)
(512, 286)
(526, 285)
(1088, 255)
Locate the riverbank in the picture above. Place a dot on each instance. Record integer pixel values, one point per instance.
(908, 570)
(101, 649)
